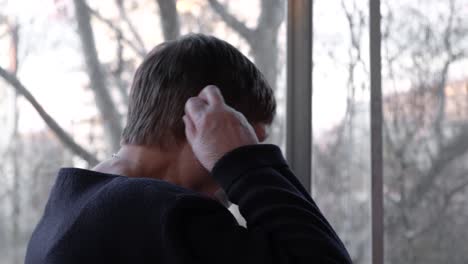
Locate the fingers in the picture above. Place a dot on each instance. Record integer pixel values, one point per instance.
(189, 127)
(212, 95)
(195, 108)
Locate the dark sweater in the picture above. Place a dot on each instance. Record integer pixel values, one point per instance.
(94, 217)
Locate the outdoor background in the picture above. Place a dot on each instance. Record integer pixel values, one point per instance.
(66, 66)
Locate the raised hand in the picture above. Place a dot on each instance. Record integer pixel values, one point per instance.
(213, 128)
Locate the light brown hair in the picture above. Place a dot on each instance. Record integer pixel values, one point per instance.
(177, 70)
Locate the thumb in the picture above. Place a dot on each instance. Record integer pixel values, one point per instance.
(194, 108)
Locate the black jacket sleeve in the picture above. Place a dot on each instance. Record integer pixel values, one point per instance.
(284, 225)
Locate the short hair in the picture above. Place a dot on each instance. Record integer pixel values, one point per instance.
(176, 70)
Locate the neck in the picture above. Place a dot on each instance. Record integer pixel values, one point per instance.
(145, 162)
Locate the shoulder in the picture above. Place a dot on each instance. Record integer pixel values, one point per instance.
(135, 207)
(140, 193)
(145, 187)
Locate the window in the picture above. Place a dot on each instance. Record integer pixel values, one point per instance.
(340, 102)
(400, 93)
(425, 103)
(43, 46)
(423, 81)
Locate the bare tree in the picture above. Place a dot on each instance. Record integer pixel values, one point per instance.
(64, 137)
(104, 78)
(424, 131)
(263, 39)
(111, 118)
(15, 146)
(264, 44)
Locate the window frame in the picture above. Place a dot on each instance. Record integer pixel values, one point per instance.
(299, 89)
(299, 107)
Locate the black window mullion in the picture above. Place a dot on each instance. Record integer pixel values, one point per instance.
(299, 89)
(376, 120)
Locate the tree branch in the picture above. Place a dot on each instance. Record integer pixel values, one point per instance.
(440, 215)
(136, 35)
(117, 31)
(447, 36)
(232, 21)
(272, 14)
(104, 102)
(457, 147)
(63, 136)
(117, 73)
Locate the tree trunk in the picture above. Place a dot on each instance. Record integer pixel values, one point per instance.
(15, 150)
(169, 19)
(263, 40)
(16, 189)
(265, 54)
(265, 43)
(110, 116)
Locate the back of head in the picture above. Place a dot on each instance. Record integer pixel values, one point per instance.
(177, 70)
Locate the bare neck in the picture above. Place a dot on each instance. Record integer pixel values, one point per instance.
(146, 162)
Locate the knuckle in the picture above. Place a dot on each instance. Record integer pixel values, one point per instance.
(189, 103)
(192, 104)
(211, 89)
(191, 100)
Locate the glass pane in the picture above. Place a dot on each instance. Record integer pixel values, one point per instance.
(425, 86)
(40, 43)
(341, 142)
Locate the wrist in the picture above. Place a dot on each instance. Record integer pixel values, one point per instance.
(235, 163)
